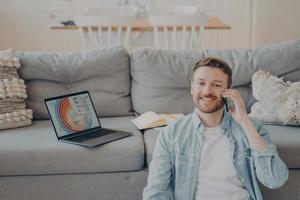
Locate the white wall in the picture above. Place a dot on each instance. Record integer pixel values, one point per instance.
(24, 24)
(276, 21)
(16, 27)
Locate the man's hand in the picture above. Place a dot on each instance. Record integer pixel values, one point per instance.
(239, 113)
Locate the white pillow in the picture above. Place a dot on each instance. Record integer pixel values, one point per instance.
(278, 101)
(13, 112)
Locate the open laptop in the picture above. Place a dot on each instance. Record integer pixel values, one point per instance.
(75, 121)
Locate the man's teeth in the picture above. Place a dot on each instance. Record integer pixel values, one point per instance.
(207, 99)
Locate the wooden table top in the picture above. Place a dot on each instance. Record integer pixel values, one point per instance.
(214, 23)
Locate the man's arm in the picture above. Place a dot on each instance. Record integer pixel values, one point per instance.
(255, 140)
(270, 169)
(160, 171)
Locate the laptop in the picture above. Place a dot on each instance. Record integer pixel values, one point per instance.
(75, 121)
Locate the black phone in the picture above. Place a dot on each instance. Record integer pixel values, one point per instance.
(228, 103)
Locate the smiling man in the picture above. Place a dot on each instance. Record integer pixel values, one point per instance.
(213, 153)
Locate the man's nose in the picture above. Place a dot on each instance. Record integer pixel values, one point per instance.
(207, 89)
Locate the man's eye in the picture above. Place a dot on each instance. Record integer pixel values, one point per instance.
(218, 85)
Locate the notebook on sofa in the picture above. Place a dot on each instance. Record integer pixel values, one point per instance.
(151, 119)
(75, 121)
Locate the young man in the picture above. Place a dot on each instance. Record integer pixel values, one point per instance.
(213, 154)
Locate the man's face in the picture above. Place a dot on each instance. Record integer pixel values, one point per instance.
(207, 88)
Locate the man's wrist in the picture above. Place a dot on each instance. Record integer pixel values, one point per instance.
(255, 140)
(245, 122)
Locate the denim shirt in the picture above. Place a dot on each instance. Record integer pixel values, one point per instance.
(176, 158)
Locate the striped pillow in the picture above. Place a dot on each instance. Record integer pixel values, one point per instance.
(13, 112)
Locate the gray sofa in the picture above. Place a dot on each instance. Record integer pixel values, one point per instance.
(34, 165)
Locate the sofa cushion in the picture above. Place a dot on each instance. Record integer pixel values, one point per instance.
(161, 79)
(35, 150)
(104, 72)
(287, 140)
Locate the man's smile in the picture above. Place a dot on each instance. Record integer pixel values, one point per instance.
(207, 100)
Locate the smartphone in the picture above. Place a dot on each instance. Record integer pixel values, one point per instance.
(228, 103)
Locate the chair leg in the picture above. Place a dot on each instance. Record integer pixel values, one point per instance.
(109, 36)
(166, 38)
(92, 38)
(100, 36)
(83, 37)
(184, 37)
(174, 43)
(200, 38)
(156, 37)
(95, 39)
(119, 35)
(127, 36)
(191, 39)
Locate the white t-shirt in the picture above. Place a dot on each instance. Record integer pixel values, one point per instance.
(217, 178)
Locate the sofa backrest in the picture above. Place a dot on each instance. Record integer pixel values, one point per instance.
(103, 72)
(161, 79)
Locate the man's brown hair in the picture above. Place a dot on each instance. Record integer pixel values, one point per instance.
(216, 63)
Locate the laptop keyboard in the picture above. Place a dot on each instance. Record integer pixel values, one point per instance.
(91, 135)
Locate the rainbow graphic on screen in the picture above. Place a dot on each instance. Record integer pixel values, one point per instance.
(73, 114)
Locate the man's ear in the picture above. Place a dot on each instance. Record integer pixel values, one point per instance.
(192, 87)
(229, 83)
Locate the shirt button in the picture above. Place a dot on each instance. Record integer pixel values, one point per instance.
(243, 180)
(68, 85)
(234, 160)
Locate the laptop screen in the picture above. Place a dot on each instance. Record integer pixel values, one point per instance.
(72, 114)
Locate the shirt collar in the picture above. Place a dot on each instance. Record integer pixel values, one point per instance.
(196, 119)
(224, 124)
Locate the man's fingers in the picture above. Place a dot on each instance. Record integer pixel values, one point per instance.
(234, 94)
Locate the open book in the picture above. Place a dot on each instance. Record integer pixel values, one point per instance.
(151, 119)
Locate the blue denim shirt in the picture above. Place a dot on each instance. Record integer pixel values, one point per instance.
(176, 158)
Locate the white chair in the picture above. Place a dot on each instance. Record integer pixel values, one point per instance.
(178, 27)
(106, 26)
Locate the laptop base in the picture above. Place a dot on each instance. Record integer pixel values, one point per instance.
(99, 140)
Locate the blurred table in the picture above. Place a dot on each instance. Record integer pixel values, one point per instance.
(143, 25)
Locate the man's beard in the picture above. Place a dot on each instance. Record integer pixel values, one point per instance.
(215, 106)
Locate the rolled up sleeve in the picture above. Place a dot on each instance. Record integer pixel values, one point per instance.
(271, 171)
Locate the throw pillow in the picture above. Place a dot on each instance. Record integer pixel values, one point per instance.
(278, 101)
(13, 112)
